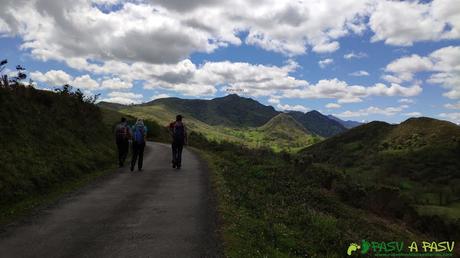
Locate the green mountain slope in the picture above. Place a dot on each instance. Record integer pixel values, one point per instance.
(232, 110)
(48, 139)
(415, 161)
(318, 123)
(280, 133)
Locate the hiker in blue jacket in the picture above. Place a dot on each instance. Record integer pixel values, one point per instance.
(139, 133)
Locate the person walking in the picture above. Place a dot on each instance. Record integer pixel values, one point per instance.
(178, 132)
(122, 136)
(139, 138)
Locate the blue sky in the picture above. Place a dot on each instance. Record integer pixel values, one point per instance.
(359, 60)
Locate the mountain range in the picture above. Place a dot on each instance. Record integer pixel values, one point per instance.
(239, 112)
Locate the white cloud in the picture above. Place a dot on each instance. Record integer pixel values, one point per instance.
(85, 82)
(125, 98)
(452, 106)
(404, 22)
(116, 84)
(333, 105)
(287, 107)
(392, 79)
(406, 101)
(274, 100)
(352, 55)
(159, 96)
(59, 78)
(388, 111)
(170, 31)
(325, 62)
(405, 67)
(453, 117)
(360, 73)
(52, 77)
(345, 93)
(327, 47)
(413, 114)
(443, 64)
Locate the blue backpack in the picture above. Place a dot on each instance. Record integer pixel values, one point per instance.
(139, 133)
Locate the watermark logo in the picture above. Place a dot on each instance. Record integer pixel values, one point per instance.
(353, 247)
(400, 248)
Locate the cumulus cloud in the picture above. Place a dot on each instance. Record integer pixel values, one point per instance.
(333, 105)
(52, 77)
(85, 82)
(406, 101)
(125, 98)
(325, 62)
(59, 78)
(413, 114)
(352, 55)
(170, 31)
(452, 105)
(274, 100)
(372, 110)
(288, 107)
(454, 117)
(404, 22)
(345, 93)
(116, 84)
(159, 96)
(443, 64)
(360, 73)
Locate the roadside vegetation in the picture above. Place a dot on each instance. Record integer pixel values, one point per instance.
(52, 143)
(288, 205)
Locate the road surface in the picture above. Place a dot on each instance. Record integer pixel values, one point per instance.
(158, 212)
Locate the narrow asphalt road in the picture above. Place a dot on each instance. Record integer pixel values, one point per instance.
(158, 212)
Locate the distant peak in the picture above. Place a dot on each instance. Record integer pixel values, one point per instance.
(314, 112)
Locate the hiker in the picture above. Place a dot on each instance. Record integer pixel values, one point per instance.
(178, 133)
(122, 136)
(139, 132)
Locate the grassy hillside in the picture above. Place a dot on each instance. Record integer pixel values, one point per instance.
(280, 133)
(230, 111)
(399, 170)
(286, 132)
(277, 205)
(48, 139)
(318, 123)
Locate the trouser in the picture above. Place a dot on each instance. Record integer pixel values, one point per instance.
(177, 152)
(123, 147)
(138, 152)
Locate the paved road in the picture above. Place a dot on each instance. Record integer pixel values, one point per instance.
(159, 212)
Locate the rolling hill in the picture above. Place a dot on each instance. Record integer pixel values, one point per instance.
(318, 123)
(417, 159)
(231, 110)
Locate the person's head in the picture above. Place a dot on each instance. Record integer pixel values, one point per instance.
(140, 121)
(123, 119)
(179, 118)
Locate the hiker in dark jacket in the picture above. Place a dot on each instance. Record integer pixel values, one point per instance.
(122, 136)
(178, 133)
(139, 132)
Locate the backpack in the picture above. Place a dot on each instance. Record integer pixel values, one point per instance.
(178, 132)
(139, 133)
(122, 133)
